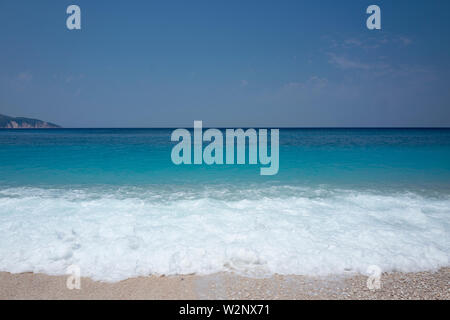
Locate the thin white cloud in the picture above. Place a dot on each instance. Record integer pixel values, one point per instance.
(405, 41)
(24, 76)
(68, 78)
(313, 82)
(346, 63)
(370, 43)
(353, 42)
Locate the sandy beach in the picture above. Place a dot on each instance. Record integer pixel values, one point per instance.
(402, 286)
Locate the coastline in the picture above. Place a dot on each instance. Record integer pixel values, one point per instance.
(394, 286)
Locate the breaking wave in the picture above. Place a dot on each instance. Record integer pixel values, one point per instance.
(117, 233)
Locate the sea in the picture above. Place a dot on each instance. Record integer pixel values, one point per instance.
(112, 202)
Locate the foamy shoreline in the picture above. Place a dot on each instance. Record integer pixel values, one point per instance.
(419, 285)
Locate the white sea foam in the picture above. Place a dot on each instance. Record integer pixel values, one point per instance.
(114, 234)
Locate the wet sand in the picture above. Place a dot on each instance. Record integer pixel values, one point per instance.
(421, 285)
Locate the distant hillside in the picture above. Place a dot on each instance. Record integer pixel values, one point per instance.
(24, 123)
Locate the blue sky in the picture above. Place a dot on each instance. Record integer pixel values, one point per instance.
(228, 63)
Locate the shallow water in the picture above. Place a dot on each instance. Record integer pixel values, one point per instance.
(112, 202)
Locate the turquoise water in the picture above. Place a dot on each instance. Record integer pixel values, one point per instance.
(112, 202)
(403, 158)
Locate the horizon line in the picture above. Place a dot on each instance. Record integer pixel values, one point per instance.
(237, 127)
